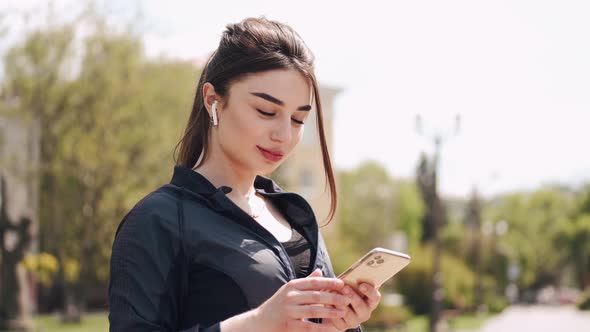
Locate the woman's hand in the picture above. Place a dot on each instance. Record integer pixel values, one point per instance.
(361, 306)
(297, 300)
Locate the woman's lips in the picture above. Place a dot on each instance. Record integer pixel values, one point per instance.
(270, 155)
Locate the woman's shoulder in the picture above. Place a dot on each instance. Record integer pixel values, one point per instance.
(159, 201)
(158, 209)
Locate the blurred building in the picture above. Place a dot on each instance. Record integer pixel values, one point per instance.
(303, 172)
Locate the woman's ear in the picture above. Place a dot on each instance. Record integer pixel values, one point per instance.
(209, 97)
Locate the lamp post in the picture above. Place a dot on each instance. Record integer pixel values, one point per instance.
(436, 213)
(476, 237)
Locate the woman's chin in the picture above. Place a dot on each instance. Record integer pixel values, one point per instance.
(268, 170)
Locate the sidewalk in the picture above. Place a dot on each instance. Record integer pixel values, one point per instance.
(539, 319)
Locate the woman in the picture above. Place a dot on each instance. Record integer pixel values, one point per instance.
(222, 248)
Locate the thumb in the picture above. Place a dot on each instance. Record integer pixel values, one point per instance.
(315, 273)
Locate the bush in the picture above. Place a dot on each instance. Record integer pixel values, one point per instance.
(386, 317)
(43, 266)
(415, 282)
(495, 304)
(584, 302)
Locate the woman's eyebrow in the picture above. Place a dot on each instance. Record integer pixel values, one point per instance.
(279, 102)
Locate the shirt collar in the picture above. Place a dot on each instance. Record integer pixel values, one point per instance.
(197, 183)
(292, 204)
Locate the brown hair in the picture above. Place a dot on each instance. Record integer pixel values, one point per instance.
(251, 46)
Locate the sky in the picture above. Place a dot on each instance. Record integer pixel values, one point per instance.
(516, 72)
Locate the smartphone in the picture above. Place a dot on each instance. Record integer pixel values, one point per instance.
(375, 268)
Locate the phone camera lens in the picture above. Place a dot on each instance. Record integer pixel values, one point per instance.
(378, 257)
(370, 263)
(380, 261)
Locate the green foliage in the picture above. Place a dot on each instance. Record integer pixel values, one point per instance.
(91, 322)
(584, 302)
(583, 205)
(343, 252)
(574, 238)
(43, 266)
(366, 206)
(373, 206)
(384, 317)
(534, 221)
(71, 270)
(495, 303)
(409, 210)
(108, 120)
(456, 240)
(415, 281)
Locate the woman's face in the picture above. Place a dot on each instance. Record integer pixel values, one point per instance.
(261, 121)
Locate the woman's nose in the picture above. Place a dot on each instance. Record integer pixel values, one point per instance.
(281, 131)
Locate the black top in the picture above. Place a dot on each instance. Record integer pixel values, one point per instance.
(299, 252)
(186, 257)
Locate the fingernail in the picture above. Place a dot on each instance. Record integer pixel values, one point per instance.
(364, 288)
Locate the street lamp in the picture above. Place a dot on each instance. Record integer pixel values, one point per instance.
(437, 217)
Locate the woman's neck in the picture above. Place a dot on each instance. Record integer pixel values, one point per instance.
(222, 174)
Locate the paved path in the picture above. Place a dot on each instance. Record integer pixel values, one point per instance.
(539, 319)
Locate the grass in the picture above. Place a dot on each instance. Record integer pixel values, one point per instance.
(91, 322)
(463, 323)
(470, 322)
(95, 322)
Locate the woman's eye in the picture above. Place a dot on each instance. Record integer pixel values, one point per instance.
(265, 113)
(299, 122)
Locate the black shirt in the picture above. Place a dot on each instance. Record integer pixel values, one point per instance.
(299, 252)
(186, 257)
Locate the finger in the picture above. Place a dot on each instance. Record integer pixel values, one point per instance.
(350, 318)
(319, 297)
(356, 301)
(338, 323)
(317, 283)
(301, 325)
(359, 310)
(342, 324)
(373, 295)
(315, 273)
(346, 307)
(314, 311)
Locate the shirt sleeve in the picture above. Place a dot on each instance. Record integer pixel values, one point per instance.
(146, 261)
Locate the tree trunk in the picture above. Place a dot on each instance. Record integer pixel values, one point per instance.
(15, 238)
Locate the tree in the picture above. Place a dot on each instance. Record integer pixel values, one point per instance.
(367, 206)
(108, 119)
(575, 238)
(534, 221)
(409, 210)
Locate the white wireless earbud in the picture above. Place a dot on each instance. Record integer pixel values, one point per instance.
(214, 113)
